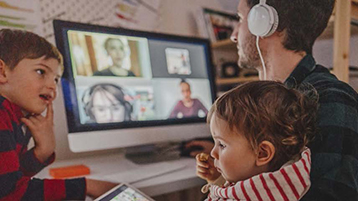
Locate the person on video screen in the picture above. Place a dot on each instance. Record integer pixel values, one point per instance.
(188, 107)
(117, 50)
(105, 103)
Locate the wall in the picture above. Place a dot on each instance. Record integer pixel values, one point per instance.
(323, 53)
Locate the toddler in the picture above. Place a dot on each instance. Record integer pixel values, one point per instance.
(260, 130)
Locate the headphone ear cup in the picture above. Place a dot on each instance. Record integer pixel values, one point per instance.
(262, 20)
(275, 21)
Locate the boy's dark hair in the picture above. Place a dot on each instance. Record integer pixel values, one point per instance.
(268, 110)
(16, 45)
(303, 20)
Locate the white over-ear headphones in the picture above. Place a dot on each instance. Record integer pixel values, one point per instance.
(262, 19)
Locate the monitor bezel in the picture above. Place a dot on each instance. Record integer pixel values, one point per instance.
(68, 83)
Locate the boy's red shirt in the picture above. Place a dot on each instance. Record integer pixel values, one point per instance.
(18, 165)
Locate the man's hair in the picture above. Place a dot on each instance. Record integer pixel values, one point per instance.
(269, 111)
(16, 45)
(302, 20)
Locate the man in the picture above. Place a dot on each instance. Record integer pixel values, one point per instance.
(287, 57)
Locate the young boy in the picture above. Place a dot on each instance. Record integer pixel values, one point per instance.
(260, 130)
(30, 69)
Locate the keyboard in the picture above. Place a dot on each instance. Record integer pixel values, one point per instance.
(144, 172)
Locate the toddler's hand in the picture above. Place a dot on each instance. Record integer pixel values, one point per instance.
(206, 145)
(205, 168)
(42, 130)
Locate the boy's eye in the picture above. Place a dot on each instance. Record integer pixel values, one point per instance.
(57, 80)
(40, 71)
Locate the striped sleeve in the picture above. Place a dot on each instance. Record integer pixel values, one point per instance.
(14, 185)
(56, 189)
(30, 165)
(291, 182)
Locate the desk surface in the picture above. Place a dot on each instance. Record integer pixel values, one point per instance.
(113, 163)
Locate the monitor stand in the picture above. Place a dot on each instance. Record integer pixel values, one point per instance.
(153, 153)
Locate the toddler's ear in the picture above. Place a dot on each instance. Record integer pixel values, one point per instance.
(3, 67)
(266, 152)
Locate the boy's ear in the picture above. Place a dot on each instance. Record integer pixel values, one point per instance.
(266, 152)
(3, 78)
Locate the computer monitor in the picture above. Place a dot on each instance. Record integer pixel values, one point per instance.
(125, 88)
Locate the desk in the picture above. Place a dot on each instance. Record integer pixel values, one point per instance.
(109, 164)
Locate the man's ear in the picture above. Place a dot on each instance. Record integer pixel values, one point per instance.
(3, 68)
(266, 152)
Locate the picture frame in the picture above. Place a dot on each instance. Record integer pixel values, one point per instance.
(215, 25)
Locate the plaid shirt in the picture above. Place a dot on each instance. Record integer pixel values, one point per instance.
(334, 173)
(18, 165)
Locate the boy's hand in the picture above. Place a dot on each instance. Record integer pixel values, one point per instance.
(42, 130)
(96, 188)
(205, 168)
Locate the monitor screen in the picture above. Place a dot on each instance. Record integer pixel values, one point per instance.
(119, 79)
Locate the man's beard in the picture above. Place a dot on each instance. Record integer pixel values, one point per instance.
(249, 57)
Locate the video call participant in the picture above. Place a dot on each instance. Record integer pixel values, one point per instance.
(188, 107)
(105, 103)
(118, 52)
(288, 57)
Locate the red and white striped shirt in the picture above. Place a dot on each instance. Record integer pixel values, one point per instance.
(290, 182)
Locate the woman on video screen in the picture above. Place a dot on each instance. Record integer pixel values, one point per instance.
(188, 106)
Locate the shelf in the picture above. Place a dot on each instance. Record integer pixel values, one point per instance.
(328, 32)
(223, 81)
(223, 44)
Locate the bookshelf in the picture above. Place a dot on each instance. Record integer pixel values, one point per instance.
(223, 81)
(227, 50)
(342, 25)
(346, 12)
(223, 44)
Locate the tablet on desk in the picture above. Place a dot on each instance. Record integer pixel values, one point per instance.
(124, 192)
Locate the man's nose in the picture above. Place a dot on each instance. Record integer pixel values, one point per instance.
(233, 36)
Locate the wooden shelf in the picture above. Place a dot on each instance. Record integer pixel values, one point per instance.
(328, 32)
(223, 81)
(223, 44)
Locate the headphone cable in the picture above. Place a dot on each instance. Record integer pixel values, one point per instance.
(261, 57)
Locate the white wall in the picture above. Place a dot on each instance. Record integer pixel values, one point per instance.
(323, 53)
(178, 15)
